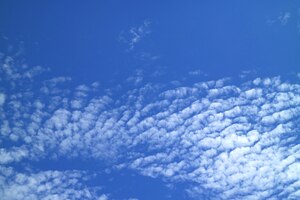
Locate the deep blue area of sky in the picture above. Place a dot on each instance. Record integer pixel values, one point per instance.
(222, 38)
(80, 39)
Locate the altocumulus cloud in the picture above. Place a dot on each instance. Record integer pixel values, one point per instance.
(223, 140)
(44, 185)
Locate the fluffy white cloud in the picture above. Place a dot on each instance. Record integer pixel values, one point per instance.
(225, 141)
(47, 185)
(103, 197)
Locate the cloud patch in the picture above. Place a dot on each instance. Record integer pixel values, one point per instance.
(2, 99)
(222, 139)
(45, 185)
(135, 34)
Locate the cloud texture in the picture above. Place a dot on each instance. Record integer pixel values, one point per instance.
(223, 139)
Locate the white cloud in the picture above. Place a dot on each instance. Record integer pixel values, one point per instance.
(284, 18)
(12, 155)
(197, 73)
(2, 98)
(230, 141)
(137, 78)
(76, 104)
(103, 197)
(44, 185)
(135, 35)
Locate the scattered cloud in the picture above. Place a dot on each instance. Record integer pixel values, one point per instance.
(223, 139)
(284, 18)
(247, 73)
(146, 56)
(135, 34)
(136, 78)
(197, 73)
(45, 185)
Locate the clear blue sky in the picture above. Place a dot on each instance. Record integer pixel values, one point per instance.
(149, 99)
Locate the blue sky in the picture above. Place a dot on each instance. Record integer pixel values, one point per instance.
(115, 100)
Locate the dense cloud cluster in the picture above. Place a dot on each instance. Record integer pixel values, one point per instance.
(46, 185)
(224, 140)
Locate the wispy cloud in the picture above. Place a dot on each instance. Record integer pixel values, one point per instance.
(197, 73)
(2, 99)
(135, 34)
(284, 18)
(137, 77)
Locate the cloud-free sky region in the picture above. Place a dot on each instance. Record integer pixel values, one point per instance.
(143, 100)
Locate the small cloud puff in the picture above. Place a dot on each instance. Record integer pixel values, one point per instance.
(135, 35)
(284, 18)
